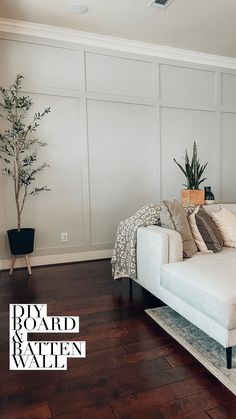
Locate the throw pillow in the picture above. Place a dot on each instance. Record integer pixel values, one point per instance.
(206, 234)
(226, 223)
(173, 216)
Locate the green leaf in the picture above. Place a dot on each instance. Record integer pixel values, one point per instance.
(37, 190)
(181, 168)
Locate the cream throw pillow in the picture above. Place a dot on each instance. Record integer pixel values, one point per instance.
(226, 223)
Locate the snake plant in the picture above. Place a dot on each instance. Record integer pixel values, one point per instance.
(192, 171)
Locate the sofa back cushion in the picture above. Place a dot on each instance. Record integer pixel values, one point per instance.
(206, 234)
(217, 207)
(230, 207)
(174, 217)
(226, 222)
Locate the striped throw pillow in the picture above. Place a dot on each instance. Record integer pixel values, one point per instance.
(205, 232)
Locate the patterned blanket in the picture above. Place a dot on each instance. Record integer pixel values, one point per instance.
(124, 254)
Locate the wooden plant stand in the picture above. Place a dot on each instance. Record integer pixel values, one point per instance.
(13, 260)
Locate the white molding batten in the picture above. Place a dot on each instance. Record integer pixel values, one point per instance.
(57, 259)
(115, 43)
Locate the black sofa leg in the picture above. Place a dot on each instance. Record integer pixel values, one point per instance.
(130, 286)
(229, 357)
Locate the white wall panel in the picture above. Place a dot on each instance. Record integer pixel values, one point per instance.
(121, 162)
(121, 76)
(41, 65)
(179, 129)
(228, 94)
(187, 85)
(59, 210)
(228, 153)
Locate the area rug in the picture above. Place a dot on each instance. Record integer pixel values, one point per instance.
(205, 349)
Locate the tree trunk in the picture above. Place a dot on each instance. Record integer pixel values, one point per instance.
(18, 215)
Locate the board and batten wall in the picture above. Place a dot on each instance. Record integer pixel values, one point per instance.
(117, 122)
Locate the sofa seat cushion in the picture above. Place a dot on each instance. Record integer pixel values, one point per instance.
(207, 282)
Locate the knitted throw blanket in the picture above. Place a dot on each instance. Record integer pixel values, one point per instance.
(124, 264)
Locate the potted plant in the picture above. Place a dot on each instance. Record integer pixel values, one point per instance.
(18, 152)
(193, 172)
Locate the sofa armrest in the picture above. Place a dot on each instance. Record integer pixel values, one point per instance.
(175, 243)
(156, 246)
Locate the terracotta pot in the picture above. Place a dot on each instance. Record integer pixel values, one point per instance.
(192, 196)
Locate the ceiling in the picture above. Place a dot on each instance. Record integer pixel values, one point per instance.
(200, 25)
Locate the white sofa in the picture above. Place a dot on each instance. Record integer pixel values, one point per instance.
(202, 289)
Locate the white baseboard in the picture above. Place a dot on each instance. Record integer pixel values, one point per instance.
(56, 259)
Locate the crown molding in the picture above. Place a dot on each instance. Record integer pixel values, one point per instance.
(115, 43)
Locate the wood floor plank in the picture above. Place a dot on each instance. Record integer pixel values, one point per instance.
(202, 415)
(151, 413)
(181, 358)
(97, 412)
(194, 404)
(225, 411)
(34, 411)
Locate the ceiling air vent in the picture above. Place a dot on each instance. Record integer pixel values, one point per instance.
(160, 3)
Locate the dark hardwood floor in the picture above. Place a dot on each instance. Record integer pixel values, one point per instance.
(133, 368)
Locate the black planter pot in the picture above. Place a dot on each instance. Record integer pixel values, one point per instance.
(21, 242)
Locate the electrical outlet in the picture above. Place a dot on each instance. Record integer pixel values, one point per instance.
(64, 237)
